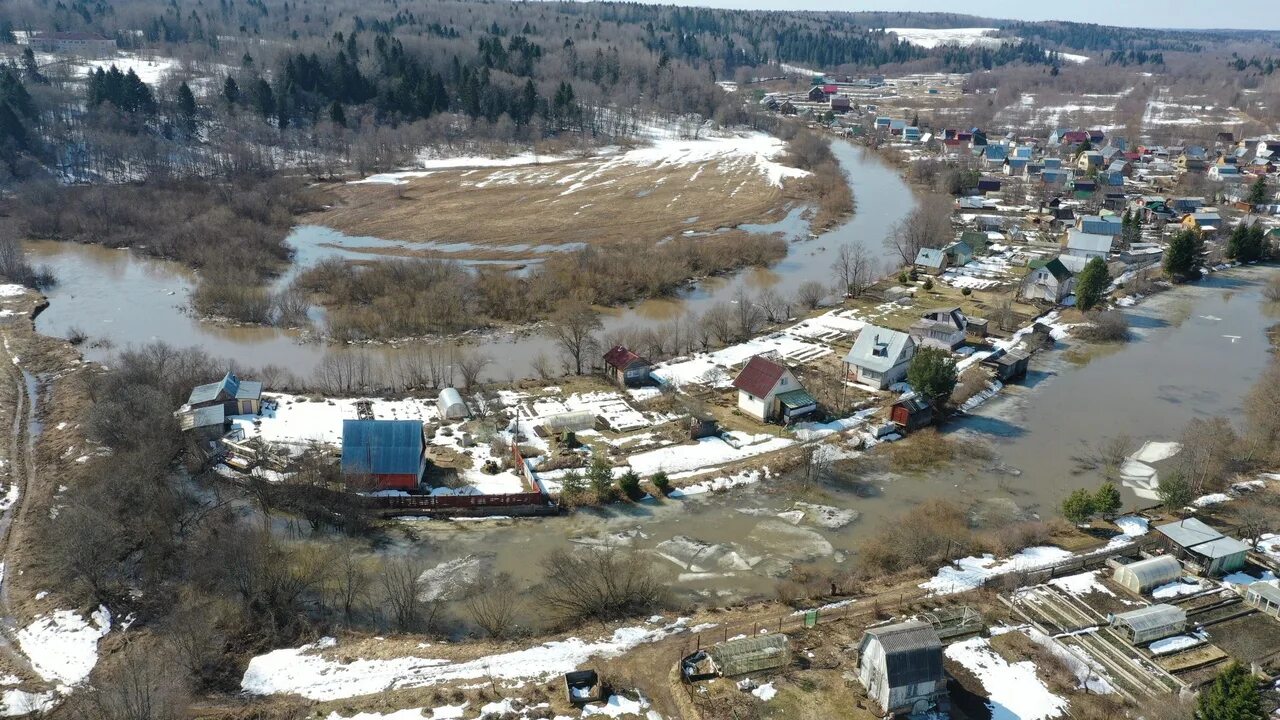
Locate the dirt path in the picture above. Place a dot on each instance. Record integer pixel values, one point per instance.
(19, 411)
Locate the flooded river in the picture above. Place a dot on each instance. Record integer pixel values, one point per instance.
(1196, 350)
(132, 300)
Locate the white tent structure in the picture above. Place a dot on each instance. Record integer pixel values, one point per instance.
(451, 405)
(1142, 576)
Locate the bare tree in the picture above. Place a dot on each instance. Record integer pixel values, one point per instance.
(1208, 451)
(773, 305)
(470, 364)
(928, 226)
(139, 685)
(493, 603)
(1254, 520)
(718, 321)
(402, 588)
(811, 294)
(749, 314)
(574, 325)
(600, 583)
(853, 270)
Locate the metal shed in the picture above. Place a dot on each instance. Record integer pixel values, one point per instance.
(1264, 596)
(1196, 542)
(1222, 556)
(900, 666)
(1150, 623)
(451, 405)
(751, 654)
(1153, 572)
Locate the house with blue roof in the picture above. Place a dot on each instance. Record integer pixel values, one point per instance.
(383, 454)
(233, 395)
(931, 260)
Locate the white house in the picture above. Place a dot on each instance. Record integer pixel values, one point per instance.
(1088, 245)
(1050, 282)
(941, 328)
(900, 666)
(879, 357)
(767, 390)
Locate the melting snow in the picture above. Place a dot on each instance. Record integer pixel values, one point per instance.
(971, 572)
(1015, 693)
(63, 646)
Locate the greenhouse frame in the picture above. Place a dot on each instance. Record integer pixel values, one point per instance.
(1143, 575)
(1150, 623)
(751, 654)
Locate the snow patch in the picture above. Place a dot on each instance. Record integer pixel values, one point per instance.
(1014, 691)
(63, 646)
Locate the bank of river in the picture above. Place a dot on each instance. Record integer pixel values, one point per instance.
(130, 299)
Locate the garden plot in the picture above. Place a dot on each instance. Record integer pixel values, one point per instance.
(705, 453)
(971, 572)
(827, 328)
(612, 407)
(716, 369)
(297, 422)
(1013, 690)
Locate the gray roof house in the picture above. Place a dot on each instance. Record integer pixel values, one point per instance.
(1088, 245)
(931, 260)
(236, 396)
(879, 357)
(900, 666)
(941, 327)
(1050, 282)
(1193, 541)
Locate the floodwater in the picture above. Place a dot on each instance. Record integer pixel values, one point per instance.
(130, 299)
(1195, 352)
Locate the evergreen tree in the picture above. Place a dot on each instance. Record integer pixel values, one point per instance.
(1180, 257)
(264, 99)
(1107, 500)
(572, 488)
(1173, 490)
(932, 374)
(1234, 695)
(1078, 507)
(1258, 191)
(231, 91)
(1092, 284)
(186, 108)
(600, 476)
(1237, 244)
(336, 114)
(630, 484)
(661, 481)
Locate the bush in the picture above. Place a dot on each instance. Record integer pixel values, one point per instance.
(661, 482)
(928, 284)
(966, 291)
(630, 484)
(903, 277)
(1111, 326)
(601, 584)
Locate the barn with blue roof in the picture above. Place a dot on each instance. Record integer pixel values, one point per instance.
(382, 454)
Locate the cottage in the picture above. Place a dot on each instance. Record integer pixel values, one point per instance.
(941, 328)
(1088, 245)
(1150, 623)
(1204, 221)
(910, 413)
(235, 396)
(1088, 160)
(1143, 575)
(817, 94)
(840, 104)
(1195, 542)
(1051, 282)
(451, 405)
(626, 368)
(911, 134)
(1009, 365)
(900, 666)
(989, 185)
(958, 253)
(932, 261)
(762, 382)
(879, 357)
(383, 454)
(1224, 173)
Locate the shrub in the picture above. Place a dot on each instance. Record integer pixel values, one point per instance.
(903, 277)
(966, 291)
(661, 482)
(630, 484)
(1111, 326)
(928, 284)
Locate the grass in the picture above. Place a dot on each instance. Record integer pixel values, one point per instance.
(924, 450)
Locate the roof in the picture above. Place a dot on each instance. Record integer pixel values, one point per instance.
(70, 36)
(381, 447)
(203, 417)
(1188, 532)
(1265, 590)
(1057, 270)
(930, 257)
(233, 386)
(912, 649)
(796, 399)
(1220, 548)
(759, 376)
(913, 403)
(877, 348)
(1090, 242)
(1152, 617)
(1006, 357)
(620, 357)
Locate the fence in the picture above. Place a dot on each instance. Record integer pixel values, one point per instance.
(430, 502)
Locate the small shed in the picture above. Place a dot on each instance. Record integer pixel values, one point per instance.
(1143, 575)
(1150, 623)
(911, 412)
(751, 654)
(451, 405)
(625, 367)
(1191, 540)
(1265, 596)
(1008, 365)
(900, 666)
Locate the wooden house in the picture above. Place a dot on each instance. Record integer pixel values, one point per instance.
(910, 413)
(879, 357)
(1193, 541)
(900, 666)
(235, 396)
(626, 368)
(767, 391)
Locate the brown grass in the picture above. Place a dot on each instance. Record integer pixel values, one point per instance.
(524, 206)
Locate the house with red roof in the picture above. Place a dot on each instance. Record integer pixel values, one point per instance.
(768, 391)
(625, 367)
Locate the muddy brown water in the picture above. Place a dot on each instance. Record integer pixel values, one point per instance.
(1196, 350)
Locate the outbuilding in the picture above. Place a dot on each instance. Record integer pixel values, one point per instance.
(1150, 623)
(382, 454)
(451, 405)
(235, 396)
(1143, 575)
(1191, 540)
(911, 412)
(900, 666)
(1264, 596)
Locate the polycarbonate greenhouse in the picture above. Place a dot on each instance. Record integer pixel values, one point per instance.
(1142, 576)
(571, 421)
(1150, 623)
(751, 654)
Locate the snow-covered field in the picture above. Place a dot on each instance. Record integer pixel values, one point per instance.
(960, 37)
(306, 671)
(1014, 691)
(706, 453)
(297, 421)
(716, 369)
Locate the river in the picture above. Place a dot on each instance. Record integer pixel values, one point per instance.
(132, 299)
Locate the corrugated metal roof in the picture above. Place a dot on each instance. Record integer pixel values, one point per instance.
(381, 447)
(795, 399)
(912, 649)
(1221, 547)
(1188, 532)
(877, 348)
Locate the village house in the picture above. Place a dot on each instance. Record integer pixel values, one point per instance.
(626, 368)
(383, 454)
(1204, 221)
(931, 261)
(900, 666)
(1195, 542)
(70, 43)
(233, 395)
(1051, 282)
(879, 357)
(1088, 160)
(1088, 245)
(769, 391)
(1101, 224)
(943, 328)
(958, 253)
